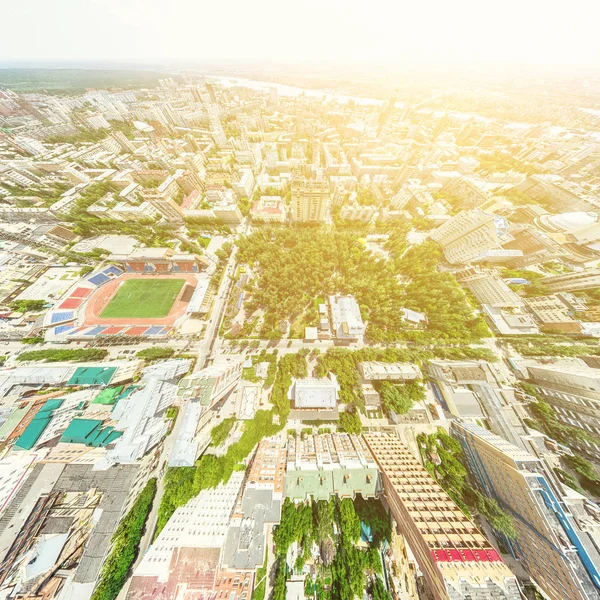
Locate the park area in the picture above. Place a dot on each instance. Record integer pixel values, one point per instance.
(143, 299)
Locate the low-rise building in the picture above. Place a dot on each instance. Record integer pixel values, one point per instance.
(382, 371)
(320, 466)
(346, 319)
(552, 314)
(269, 209)
(314, 392)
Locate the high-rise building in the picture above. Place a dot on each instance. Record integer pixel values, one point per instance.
(310, 195)
(559, 555)
(469, 235)
(574, 393)
(455, 558)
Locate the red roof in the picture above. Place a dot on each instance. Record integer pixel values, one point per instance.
(81, 292)
(71, 303)
(466, 555)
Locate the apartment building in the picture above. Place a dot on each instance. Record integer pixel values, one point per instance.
(470, 235)
(320, 466)
(310, 196)
(560, 557)
(455, 558)
(489, 288)
(574, 393)
(578, 280)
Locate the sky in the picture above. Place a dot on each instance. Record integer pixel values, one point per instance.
(403, 32)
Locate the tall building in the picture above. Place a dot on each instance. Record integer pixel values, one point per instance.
(469, 235)
(455, 558)
(560, 557)
(310, 196)
(169, 209)
(574, 393)
(199, 393)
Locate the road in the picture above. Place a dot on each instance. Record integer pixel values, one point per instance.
(204, 348)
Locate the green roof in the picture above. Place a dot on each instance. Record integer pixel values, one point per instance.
(79, 430)
(34, 430)
(322, 484)
(107, 396)
(126, 391)
(52, 404)
(89, 432)
(32, 433)
(92, 376)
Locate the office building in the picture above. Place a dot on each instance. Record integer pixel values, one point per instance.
(228, 213)
(269, 209)
(489, 288)
(199, 393)
(243, 183)
(560, 557)
(310, 196)
(455, 558)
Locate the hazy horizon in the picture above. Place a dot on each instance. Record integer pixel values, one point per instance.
(330, 32)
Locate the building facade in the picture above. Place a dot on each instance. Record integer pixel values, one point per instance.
(548, 542)
(455, 558)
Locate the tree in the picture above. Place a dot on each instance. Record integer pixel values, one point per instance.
(156, 353)
(350, 421)
(323, 514)
(349, 520)
(497, 518)
(24, 306)
(378, 591)
(126, 541)
(219, 433)
(400, 397)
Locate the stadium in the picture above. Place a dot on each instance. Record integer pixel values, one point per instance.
(111, 302)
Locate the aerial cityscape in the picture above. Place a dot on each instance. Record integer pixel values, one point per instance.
(284, 332)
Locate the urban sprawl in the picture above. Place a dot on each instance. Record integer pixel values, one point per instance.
(262, 346)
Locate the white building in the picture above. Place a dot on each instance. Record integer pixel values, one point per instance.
(313, 392)
(380, 371)
(346, 319)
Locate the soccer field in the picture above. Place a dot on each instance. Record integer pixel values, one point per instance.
(143, 299)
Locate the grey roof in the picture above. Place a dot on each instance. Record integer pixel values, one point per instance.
(245, 544)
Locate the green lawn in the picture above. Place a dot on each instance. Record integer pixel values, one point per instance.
(143, 299)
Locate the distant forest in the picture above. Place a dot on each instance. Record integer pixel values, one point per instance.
(73, 81)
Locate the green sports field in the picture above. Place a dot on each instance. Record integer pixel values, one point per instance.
(143, 299)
